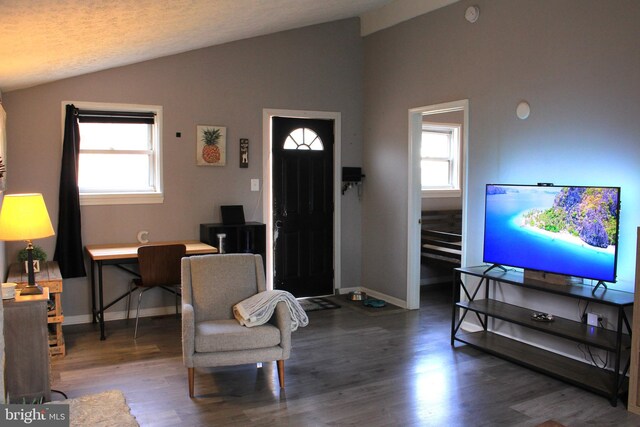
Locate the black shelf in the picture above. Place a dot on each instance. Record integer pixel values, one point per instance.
(564, 328)
(610, 382)
(249, 237)
(589, 377)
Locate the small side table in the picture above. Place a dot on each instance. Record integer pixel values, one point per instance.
(26, 348)
(48, 277)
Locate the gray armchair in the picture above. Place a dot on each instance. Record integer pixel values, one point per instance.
(211, 336)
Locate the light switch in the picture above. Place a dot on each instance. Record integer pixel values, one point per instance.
(255, 185)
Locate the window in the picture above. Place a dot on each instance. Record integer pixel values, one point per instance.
(120, 154)
(440, 160)
(303, 139)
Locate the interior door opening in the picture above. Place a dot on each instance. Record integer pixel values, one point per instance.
(444, 206)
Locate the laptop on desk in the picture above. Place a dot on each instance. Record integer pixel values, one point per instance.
(232, 215)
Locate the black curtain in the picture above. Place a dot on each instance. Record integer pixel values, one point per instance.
(69, 252)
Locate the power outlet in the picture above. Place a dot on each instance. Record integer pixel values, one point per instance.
(594, 319)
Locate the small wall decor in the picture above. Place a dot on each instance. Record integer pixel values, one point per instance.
(211, 145)
(244, 153)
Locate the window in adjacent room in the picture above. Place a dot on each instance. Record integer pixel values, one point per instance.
(120, 154)
(440, 160)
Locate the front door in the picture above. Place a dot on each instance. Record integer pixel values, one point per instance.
(302, 190)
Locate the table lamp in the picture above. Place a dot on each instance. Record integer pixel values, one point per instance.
(25, 217)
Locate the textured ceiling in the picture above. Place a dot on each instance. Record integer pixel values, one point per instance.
(47, 40)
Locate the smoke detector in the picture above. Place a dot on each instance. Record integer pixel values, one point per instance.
(472, 14)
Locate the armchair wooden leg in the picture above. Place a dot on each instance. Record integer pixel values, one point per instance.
(191, 372)
(281, 372)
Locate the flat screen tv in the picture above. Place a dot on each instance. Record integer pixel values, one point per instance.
(567, 230)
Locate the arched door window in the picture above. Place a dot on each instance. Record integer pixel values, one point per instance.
(303, 139)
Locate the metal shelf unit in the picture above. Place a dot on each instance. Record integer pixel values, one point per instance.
(480, 301)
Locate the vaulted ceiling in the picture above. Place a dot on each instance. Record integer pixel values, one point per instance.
(48, 40)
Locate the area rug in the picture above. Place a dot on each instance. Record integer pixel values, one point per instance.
(359, 306)
(315, 304)
(106, 409)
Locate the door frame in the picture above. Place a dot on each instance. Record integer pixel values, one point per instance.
(414, 191)
(267, 199)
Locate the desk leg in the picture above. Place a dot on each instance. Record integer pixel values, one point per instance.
(101, 302)
(94, 319)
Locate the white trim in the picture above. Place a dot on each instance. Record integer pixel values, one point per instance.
(414, 190)
(374, 294)
(432, 194)
(121, 315)
(121, 198)
(267, 201)
(385, 297)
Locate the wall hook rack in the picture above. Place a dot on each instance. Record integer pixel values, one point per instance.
(351, 177)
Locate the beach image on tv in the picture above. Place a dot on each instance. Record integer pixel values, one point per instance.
(564, 230)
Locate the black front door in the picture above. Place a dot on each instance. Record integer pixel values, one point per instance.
(303, 205)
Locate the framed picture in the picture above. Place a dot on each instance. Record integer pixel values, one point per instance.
(211, 145)
(244, 153)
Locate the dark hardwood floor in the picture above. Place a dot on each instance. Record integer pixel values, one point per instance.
(346, 368)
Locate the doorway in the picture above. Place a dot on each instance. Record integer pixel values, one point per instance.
(301, 204)
(417, 116)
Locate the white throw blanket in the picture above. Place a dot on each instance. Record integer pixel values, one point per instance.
(258, 309)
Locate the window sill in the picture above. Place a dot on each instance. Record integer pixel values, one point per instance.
(430, 194)
(121, 199)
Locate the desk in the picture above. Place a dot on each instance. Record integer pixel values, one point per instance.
(119, 255)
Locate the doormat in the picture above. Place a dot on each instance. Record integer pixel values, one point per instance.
(315, 304)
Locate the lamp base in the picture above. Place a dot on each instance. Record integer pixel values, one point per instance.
(31, 290)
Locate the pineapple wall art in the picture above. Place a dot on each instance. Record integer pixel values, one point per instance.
(211, 146)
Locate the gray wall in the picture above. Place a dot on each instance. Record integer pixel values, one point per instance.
(314, 68)
(577, 62)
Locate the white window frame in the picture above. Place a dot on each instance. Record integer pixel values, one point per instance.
(123, 198)
(455, 159)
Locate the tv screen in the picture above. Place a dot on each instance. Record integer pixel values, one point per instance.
(569, 230)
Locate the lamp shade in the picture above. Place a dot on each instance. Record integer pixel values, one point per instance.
(24, 217)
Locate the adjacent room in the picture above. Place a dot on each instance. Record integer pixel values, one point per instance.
(330, 150)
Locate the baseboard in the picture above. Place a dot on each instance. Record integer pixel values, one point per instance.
(470, 327)
(387, 298)
(435, 280)
(120, 315)
(343, 291)
(374, 294)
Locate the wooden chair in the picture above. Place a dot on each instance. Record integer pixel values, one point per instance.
(211, 336)
(159, 267)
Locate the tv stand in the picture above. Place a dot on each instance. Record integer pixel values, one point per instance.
(483, 305)
(495, 266)
(600, 283)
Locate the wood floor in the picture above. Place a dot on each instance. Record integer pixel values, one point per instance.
(346, 368)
